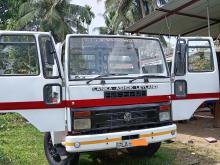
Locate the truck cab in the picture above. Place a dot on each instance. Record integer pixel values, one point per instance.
(105, 92)
(118, 89)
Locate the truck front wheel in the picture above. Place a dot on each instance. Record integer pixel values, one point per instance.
(147, 151)
(53, 156)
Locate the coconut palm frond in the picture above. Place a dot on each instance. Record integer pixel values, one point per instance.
(53, 20)
(58, 16)
(25, 8)
(26, 19)
(111, 4)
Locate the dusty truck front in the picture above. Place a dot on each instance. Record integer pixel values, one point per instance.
(114, 92)
(118, 94)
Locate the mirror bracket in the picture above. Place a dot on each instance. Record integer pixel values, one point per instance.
(180, 58)
(49, 52)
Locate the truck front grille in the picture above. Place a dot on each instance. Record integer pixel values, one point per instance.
(122, 118)
(120, 94)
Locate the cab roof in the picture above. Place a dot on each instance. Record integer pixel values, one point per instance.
(23, 32)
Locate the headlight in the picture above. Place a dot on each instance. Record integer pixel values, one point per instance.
(80, 124)
(164, 116)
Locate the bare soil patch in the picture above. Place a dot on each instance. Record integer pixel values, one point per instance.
(192, 134)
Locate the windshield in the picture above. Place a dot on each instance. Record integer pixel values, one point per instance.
(114, 55)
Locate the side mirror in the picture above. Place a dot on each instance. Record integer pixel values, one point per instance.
(181, 49)
(49, 52)
(52, 94)
(180, 59)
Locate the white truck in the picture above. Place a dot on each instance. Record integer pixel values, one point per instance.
(106, 92)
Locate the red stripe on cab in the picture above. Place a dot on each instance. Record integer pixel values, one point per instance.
(102, 102)
(117, 101)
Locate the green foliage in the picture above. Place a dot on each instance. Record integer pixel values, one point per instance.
(20, 143)
(9, 13)
(110, 28)
(58, 16)
(3, 13)
(121, 14)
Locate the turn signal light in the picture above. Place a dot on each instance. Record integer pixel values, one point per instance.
(82, 114)
(165, 108)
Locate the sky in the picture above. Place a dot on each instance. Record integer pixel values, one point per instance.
(98, 8)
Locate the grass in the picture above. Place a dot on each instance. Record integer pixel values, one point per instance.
(160, 158)
(22, 144)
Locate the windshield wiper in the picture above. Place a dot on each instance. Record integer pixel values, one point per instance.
(105, 75)
(147, 77)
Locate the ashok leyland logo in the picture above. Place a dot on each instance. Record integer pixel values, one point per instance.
(127, 116)
(120, 88)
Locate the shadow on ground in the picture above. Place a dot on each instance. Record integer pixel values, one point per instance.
(200, 127)
(169, 154)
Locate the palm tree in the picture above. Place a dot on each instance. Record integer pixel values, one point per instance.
(82, 18)
(58, 16)
(9, 13)
(109, 28)
(129, 11)
(126, 12)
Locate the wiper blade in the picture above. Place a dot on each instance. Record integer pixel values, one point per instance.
(147, 76)
(105, 75)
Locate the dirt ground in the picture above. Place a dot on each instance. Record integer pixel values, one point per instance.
(192, 134)
(190, 146)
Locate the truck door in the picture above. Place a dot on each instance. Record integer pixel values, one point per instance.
(30, 79)
(195, 75)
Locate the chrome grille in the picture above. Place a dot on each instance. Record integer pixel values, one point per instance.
(116, 118)
(120, 94)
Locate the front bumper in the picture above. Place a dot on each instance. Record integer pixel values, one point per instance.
(83, 143)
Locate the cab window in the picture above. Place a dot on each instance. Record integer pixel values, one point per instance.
(200, 56)
(48, 55)
(18, 55)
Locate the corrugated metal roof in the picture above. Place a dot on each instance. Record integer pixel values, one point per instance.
(181, 17)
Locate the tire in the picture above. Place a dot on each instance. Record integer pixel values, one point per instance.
(53, 157)
(148, 151)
